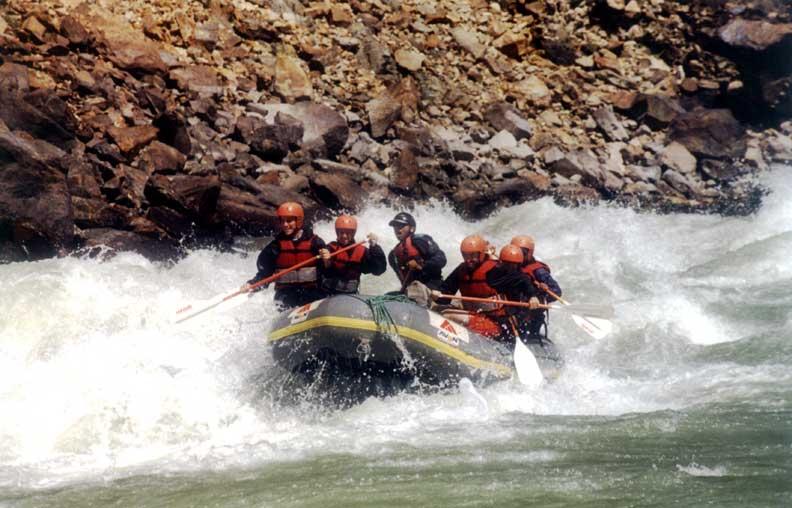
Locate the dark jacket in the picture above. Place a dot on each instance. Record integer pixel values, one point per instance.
(373, 262)
(517, 286)
(432, 260)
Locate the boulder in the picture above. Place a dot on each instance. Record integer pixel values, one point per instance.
(675, 156)
(325, 131)
(504, 116)
(337, 191)
(710, 133)
(756, 35)
(400, 101)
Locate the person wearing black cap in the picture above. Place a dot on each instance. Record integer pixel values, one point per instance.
(416, 257)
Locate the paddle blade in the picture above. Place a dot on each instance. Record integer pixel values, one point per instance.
(586, 309)
(198, 308)
(596, 327)
(526, 366)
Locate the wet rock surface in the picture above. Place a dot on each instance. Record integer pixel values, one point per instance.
(162, 126)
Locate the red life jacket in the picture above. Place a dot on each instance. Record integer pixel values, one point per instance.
(475, 284)
(346, 268)
(404, 252)
(530, 268)
(292, 253)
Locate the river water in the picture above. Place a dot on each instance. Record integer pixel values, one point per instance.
(104, 402)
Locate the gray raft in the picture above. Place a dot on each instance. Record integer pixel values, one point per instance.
(355, 346)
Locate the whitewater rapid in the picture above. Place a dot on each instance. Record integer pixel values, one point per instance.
(98, 383)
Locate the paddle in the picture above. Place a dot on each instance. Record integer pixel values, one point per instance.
(525, 364)
(595, 324)
(192, 310)
(590, 317)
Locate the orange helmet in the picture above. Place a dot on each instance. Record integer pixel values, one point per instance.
(511, 254)
(524, 242)
(292, 209)
(473, 244)
(346, 222)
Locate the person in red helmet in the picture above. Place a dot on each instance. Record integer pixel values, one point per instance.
(341, 273)
(504, 281)
(295, 243)
(416, 257)
(539, 273)
(469, 278)
(512, 284)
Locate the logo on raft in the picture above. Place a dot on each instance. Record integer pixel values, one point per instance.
(300, 314)
(448, 332)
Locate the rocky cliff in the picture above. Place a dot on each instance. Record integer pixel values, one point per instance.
(156, 126)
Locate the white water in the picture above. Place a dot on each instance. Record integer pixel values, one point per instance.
(98, 384)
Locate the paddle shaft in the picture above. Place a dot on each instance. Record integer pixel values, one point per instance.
(271, 278)
(490, 300)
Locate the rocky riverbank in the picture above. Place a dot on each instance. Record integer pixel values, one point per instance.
(155, 126)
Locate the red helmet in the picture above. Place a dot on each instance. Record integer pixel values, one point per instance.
(473, 244)
(292, 209)
(524, 242)
(346, 222)
(511, 254)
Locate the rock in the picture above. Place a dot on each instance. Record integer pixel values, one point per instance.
(95, 213)
(504, 116)
(610, 125)
(132, 138)
(194, 196)
(325, 131)
(722, 171)
(677, 157)
(125, 46)
(709, 132)
(682, 183)
(645, 173)
(404, 176)
(575, 194)
(84, 180)
(580, 162)
(291, 80)
(780, 148)
(503, 140)
(158, 157)
(400, 101)
(535, 91)
(127, 186)
(757, 35)
(662, 110)
(409, 59)
(35, 207)
(200, 79)
(98, 240)
(337, 191)
(271, 141)
(469, 40)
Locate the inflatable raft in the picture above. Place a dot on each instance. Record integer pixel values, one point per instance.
(352, 347)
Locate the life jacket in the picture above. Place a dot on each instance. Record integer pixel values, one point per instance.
(404, 252)
(475, 284)
(346, 269)
(530, 268)
(292, 253)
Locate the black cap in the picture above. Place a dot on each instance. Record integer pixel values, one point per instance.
(402, 219)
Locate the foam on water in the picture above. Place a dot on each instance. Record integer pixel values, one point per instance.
(99, 383)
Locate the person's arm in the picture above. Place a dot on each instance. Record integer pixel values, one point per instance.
(450, 286)
(433, 257)
(374, 261)
(543, 276)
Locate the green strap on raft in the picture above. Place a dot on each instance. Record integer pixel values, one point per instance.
(379, 311)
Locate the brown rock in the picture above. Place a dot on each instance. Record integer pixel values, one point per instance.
(758, 35)
(131, 138)
(194, 196)
(678, 158)
(577, 162)
(159, 157)
(470, 41)
(399, 101)
(200, 79)
(504, 116)
(610, 125)
(291, 81)
(405, 171)
(337, 191)
(662, 109)
(95, 213)
(98, 240)
(709, 132)
(409, 59)
(341, 14)
(74, 30)
(325, 130)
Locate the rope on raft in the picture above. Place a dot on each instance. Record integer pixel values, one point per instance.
(385, 322)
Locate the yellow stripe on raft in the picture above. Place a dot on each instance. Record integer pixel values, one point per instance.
(362, 324)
